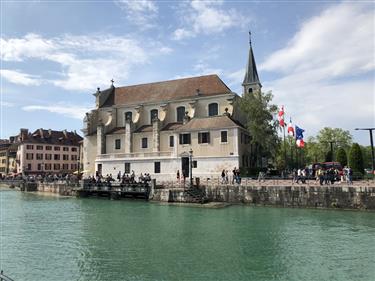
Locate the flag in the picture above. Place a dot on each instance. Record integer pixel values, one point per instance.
(281, 116)
(290, 128)
(299, 133)
(300, 143)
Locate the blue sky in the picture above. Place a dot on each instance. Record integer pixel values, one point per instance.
(316, 57)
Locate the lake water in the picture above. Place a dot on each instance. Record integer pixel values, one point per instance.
(52, 238)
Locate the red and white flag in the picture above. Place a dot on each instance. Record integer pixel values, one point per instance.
(281, 116)
(290, 128)
(300, 143)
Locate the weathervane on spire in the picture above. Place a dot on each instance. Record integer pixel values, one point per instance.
(250, 37)
(112, 81)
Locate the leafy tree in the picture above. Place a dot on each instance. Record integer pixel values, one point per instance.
(329, 157)
(355, 159)
(314, 151)
(342, 157)
(367, 156)
(338, 137)
(259, 113)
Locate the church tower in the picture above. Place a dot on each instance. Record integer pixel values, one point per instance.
(251, 81)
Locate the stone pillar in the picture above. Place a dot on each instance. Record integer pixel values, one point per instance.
(100, 143)
(128, 136)
(156, 135)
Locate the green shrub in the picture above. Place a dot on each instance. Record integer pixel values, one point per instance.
(355, 159)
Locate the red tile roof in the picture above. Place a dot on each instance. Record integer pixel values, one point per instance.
(208, 85)
(212, 122)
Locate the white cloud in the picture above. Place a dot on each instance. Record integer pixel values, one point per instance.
(323, 70)
(86, 61)
(337, 42)
(141, 12)
(207, 17)
(18, 77)
(72, 111)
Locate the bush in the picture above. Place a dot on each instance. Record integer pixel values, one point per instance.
(355, 159)
(342, 157)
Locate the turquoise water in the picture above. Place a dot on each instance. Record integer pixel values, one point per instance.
(48, 238)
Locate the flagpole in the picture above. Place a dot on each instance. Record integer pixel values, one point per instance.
(284, 149)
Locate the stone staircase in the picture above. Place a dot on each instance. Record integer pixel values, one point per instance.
(195, 195)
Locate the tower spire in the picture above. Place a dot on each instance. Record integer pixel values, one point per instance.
(251, 81)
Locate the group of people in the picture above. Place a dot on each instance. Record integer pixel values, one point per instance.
(236, 176)
(329, 176)
(66, 177)
(121, 178)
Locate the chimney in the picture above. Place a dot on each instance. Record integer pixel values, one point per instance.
(41, 133)
(75, 132)
(49, 132)
(24, 133)
(65, 132)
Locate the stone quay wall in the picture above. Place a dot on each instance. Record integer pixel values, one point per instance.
(303, 196)
(56, 187)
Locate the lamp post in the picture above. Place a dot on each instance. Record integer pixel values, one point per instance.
(191, 167)
(372, 146)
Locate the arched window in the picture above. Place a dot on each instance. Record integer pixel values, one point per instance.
(128, 115)
(180, 113)
(213, 109)
(250, 90)
(153, 114)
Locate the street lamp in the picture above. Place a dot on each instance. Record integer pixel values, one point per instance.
(372, 146)
(191, 167)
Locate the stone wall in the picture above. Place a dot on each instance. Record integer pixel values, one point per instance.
(55, 187)
(338, 197)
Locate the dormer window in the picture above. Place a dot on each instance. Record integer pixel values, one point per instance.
(213, 109)
(128, 115)
(154, 114)
(180, 113)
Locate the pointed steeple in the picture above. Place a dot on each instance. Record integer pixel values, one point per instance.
(251, 81)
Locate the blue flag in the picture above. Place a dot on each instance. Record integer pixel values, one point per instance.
(299, 133)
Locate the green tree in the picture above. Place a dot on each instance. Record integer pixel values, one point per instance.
(329, 157)
(314, 151)
(356, 159)
(367, 156)
(342, 157)
(337, 136)
(259, 113)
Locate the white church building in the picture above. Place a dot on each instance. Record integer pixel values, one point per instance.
(155, 127)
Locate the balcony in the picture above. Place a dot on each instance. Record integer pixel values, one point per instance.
(114, 156)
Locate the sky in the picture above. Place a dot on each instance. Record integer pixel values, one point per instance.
(317, 57)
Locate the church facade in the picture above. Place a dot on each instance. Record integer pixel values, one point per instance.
(186, 125)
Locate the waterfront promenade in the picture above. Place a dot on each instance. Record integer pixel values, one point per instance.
(270, 192)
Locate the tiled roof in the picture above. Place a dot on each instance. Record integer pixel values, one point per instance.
(212, 122)
(172, 126)
(118, 130)
(168, 90)
(53, 137)
(144, 128)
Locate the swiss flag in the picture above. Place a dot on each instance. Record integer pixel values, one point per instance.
(290, 128)
(281, 116)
